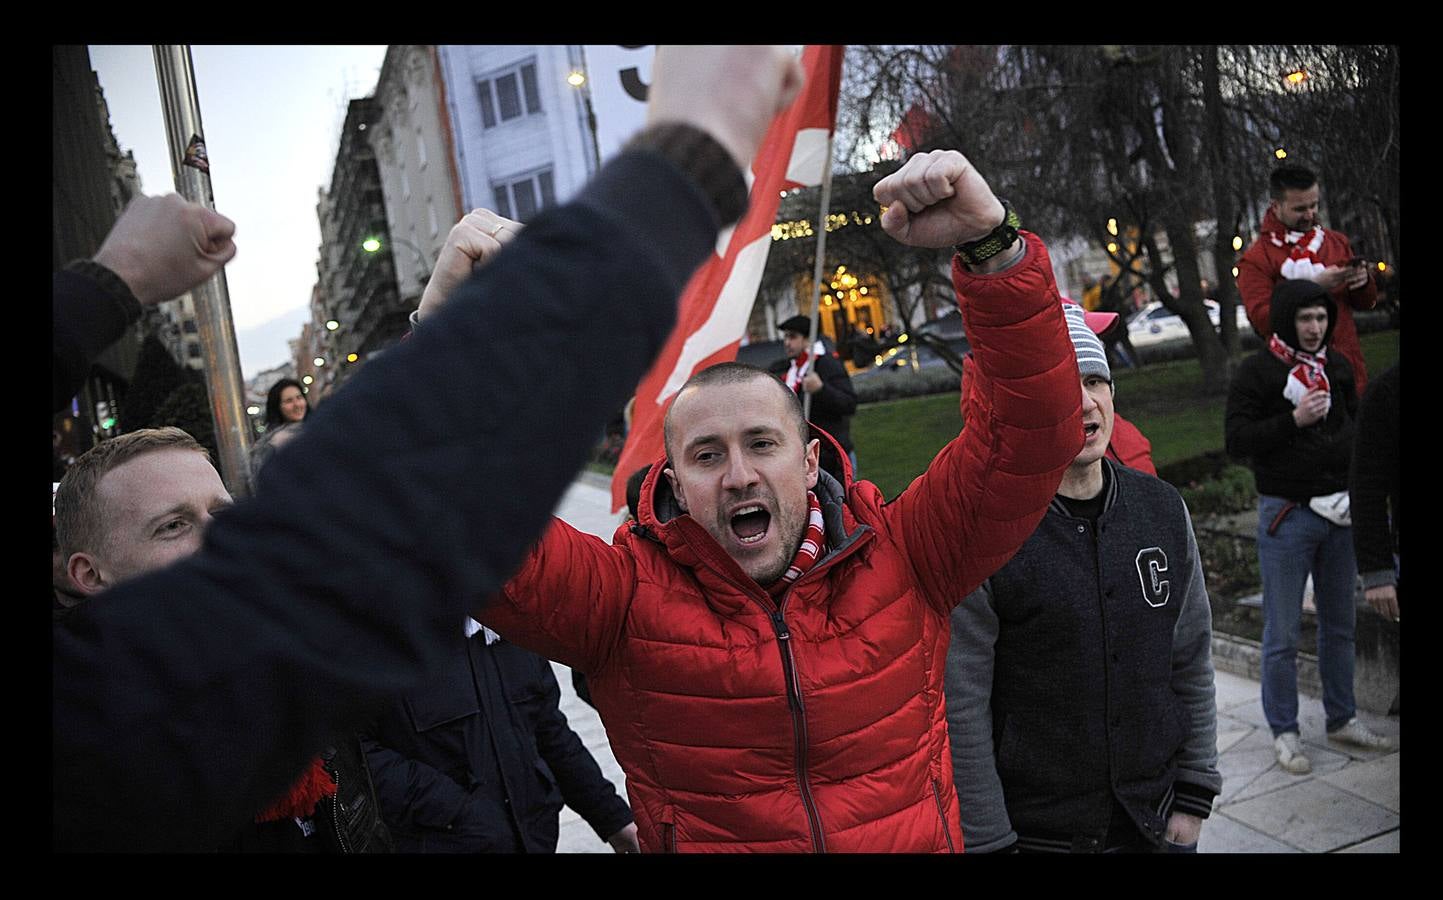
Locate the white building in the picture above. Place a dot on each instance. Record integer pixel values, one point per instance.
(522, 139)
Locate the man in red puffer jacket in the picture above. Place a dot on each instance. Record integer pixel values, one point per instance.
(1294, 244)
(766, 644)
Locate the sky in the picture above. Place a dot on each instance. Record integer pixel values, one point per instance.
(272, 116)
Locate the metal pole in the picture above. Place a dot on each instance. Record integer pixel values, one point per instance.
(826, 206)
(191, 168)
(590, 112)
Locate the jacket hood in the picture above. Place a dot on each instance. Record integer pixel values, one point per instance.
(659, 506)
(1272, 224)
(1291, 295)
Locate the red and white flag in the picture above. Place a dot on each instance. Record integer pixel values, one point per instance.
(718, 300)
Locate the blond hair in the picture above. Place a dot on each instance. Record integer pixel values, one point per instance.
(78, 516)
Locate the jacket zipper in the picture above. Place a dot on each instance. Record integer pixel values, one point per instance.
(799, 729)
(942, 813)
(336, 821)
(794, 687)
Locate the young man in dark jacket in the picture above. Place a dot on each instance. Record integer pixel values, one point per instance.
(1080, 698)
(1290, 412)
(480, 758)
(810, 371)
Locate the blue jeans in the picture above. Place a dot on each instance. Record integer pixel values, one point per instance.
(1305, 542)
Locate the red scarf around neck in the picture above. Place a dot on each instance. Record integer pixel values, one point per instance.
(1308, 369)
(1302, 260)
(814, 543)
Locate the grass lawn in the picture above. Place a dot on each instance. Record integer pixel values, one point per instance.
(896, 439)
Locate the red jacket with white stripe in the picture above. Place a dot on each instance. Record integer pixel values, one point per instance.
(816, 723)
(1259, 271)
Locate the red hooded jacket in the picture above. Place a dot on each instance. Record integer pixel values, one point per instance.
(1259, 272)
(815, 723)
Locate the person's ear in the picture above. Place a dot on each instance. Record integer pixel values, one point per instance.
(85, 574)
(675, 487)
(813, 461)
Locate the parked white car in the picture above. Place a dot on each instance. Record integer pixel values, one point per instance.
(1155, 323)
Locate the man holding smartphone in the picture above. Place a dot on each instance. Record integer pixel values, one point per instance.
(1294, 244)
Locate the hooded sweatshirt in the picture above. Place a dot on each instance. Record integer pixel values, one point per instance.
(1288, 461)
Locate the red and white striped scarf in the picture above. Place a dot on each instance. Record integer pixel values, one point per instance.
(801, 366)
(1307, 373)
(1302, 261)
(814, 543)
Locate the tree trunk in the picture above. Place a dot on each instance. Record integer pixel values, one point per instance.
(1225, 211)
(1188, 303)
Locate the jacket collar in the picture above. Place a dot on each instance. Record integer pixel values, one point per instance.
(1111, 489)
(661, 518)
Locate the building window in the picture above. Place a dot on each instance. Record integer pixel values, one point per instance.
(431, 214)
(522, 198)
(420, 148)
(193, 350)
(508, 95)
(188, 326)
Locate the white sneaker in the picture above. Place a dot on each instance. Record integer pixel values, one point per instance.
(1290, 756)
(1360, 735)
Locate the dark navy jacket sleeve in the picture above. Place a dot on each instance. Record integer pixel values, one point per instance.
(85, 318)
(185, 699)
(582, 785)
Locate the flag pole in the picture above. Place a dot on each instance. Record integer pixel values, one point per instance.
(191, 168)
(822, 212)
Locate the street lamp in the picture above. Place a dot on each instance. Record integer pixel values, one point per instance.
(372, 244)
(332, 325)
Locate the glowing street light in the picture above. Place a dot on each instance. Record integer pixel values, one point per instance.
(1296, 77)
(1235, 271)
(371, 244)
(576, 79)
(253, 410)
(351, 357)
(307, 380)
(1237, 242)
(1280, 153)
(332, 325)
(1112, 227)
(319, 361)
(1111, 246)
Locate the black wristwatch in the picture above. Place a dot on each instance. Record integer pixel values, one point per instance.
(993, 242)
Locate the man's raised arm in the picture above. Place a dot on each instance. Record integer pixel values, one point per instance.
(185, 699)
(986, 491)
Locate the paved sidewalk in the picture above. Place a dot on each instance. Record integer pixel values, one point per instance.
(1348, 804)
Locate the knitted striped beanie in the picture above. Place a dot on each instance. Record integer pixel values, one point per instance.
(1091, 357)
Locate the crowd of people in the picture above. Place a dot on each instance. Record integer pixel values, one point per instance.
(1014, 653)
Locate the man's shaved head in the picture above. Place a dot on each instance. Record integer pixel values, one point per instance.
(731, 373)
